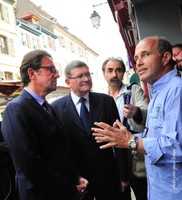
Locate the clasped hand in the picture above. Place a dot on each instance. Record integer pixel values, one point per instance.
(81, 188)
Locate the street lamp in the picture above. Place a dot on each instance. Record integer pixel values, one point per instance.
(95, 17)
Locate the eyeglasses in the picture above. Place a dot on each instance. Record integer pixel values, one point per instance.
(82, 76)
(52, 69)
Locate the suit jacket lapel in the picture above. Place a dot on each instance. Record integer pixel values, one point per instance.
(72, 112)
(95, 108)
(37, 106)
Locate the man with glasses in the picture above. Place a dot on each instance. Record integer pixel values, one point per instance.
(98, 167)
(36, 141)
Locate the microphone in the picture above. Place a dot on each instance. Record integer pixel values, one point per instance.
(127, 98)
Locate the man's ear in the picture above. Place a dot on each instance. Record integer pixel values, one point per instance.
(32, 73)
(67, 81)
(166, 58)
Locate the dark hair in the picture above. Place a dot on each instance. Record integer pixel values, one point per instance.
(178, 45)
(31, 60)
(119, 60)
(164, 46)
(72, 65)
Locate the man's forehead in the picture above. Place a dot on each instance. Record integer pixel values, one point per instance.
(145, 45)
(113, 67)
(176, 49)
(113, 64)
(79, 69)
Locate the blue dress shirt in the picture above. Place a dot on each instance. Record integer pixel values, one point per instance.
(163, 141)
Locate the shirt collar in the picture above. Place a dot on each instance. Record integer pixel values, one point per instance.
(158, 85)
(39, 99)
(122, 90)
(76, 98)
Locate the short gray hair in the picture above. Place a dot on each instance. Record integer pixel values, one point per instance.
(72, 65)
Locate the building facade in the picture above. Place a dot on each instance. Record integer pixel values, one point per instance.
(24, 27)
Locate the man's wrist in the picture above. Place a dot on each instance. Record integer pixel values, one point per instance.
(133, 143)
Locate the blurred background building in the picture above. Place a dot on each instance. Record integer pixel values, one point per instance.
(24, 26)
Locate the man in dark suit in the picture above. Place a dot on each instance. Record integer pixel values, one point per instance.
(100, 168)
(35, 139)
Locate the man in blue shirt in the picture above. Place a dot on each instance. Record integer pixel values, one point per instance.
(161, 142)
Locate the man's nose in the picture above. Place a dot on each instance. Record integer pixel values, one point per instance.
(139, 62)
(114, 73)
(56, 74)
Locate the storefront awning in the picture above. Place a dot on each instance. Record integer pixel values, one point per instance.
(121, 16)
(9, 87)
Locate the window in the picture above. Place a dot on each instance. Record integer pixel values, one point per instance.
(29, 41)
(23, 39)
(4, 16)
(11, 47)
(7, 46)
(53, 45)
(62, 42)
(34, 43)
(45, 42)
(81, 52)
(8, 75)
(72, 47)
(2, 76)
(39, 43)
(3, 45)
(50, 42)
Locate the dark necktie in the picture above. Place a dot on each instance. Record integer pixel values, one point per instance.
(84, 115)
(125, 123)
(48, 108)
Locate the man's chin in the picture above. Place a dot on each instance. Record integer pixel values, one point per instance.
(87, 86)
